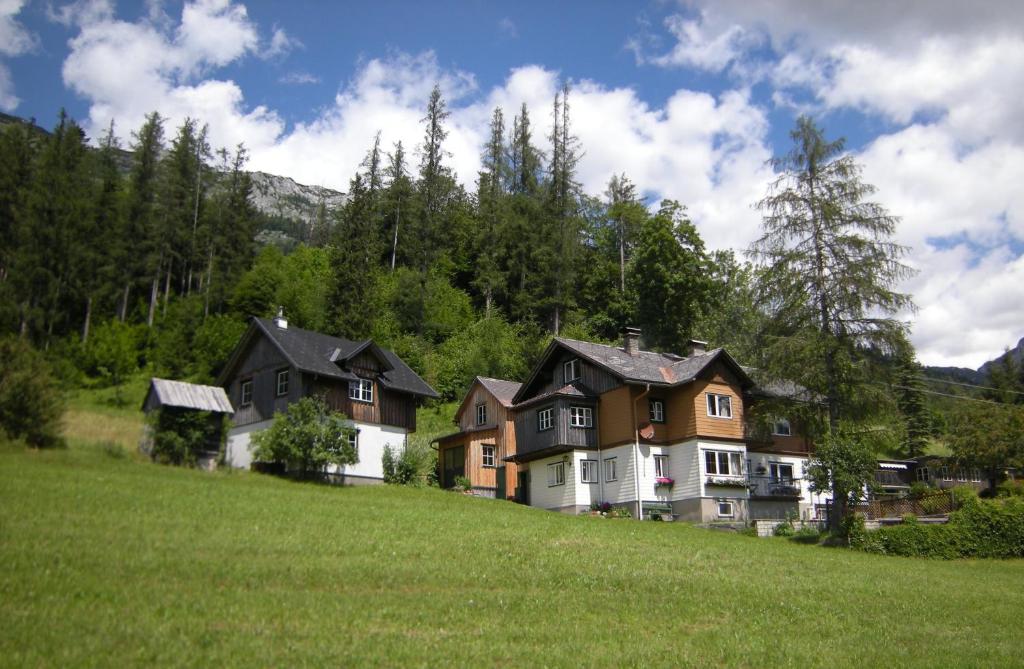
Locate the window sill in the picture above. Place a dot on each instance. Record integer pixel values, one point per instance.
(356, 399)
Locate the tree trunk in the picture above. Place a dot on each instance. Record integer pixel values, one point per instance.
(622, 257)
(124, 301)
(394, 244)
(88, 318)
(154, 294)
(167, 286)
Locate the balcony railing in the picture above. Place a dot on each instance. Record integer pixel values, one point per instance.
(777, 487)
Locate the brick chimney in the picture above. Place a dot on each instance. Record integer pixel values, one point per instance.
(696, 347)
(631, 340)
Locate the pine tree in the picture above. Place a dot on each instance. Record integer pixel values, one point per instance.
(98, 277)
(355, 253)
(138, 252)
(489, 275)
(398, 198)
(910, 399)
(829, 269)
(17, 161)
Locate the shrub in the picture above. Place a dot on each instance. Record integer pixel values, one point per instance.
(413, 465)
(308, 434)
(1010, 489)
(784, 529)
(963, 495)
(179, 434)
(31, 403)
(620, 512)
(807, 535)
(463, 483)
(909, 519)
(919, 489)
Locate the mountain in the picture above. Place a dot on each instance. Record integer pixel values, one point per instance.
(290, 207)
(974, 376)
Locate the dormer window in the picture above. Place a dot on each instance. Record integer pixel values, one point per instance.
(719, 406)
(361, 390)
(481, 414)
(571, 370)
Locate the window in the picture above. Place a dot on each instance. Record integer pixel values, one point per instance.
(353, 439)
(946, 476)
(719, 405)
(588, 471)
(361, 390)
(657, 410)
(781, 428)
(282, 382)
(961, 475)
(556, 474)
(780, 471)
(976, 475)
(610, 473)
(726, 510)
(571, 370)
(660, 466)
(723, 463)
(581, 417)
(481, 414)
(246, 392)
(488, 455)
(923, 475)
(545, 419)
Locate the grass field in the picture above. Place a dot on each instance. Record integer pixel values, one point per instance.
(113, 562)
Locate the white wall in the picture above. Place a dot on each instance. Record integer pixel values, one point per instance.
(807, 498)
(372, 440)
(559, 496)
(719, 492)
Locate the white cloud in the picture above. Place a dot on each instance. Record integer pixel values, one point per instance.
(299, 78)
(15, 40)
(508, 28)
(281, 44)
(702, 46)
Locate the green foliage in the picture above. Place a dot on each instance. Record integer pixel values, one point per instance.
(463, 483)
(178, 435)
(308, 435)
(982, 529)
(489, 347)
(112, 352)
(963, 495)
(844, 463)
(416, 464)
(784, 529)
(1010, 489)
(31, 401)
(919, 489)
(987, 436)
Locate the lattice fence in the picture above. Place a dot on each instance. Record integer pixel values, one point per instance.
(937, 504)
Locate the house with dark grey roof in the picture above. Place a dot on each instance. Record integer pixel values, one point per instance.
(274, 365)
(658, 433)
(484, 442)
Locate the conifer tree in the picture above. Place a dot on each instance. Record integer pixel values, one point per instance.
(398, 198)
(489, 276)
(139, 252)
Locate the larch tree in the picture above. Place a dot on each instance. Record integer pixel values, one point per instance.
(828, 271)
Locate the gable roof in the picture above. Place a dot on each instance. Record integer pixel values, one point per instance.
(573, 389)
(188, 396)
(502, 390)
(657, 369)
(316, 353)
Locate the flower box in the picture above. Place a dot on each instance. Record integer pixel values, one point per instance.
(663, 482)
(727, 482)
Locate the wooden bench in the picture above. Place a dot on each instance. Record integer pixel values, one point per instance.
(663, 509)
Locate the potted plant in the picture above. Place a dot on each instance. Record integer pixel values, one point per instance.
(663, 482)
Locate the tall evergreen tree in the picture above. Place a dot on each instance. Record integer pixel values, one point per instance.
(829, 271)
(17, 161)
(909, 391)
(398, 201)
(98, 276)
(489, 275)
(355, 260)
(138, 254)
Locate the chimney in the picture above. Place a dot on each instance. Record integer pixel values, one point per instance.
(696, 347)
(631, 340)
(280, 320)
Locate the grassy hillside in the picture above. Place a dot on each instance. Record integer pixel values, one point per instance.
(115, 562)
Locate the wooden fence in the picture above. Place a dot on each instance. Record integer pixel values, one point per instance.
(936, 504)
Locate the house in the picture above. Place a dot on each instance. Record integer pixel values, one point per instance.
(945, 472)
(486, 438)
(274, 365)
(654, 432)
(167, 399)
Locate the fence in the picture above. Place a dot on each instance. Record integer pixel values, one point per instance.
(937, 504)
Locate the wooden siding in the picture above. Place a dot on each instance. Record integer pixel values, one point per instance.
(616, 424)
(260, 363)
(529, 439)
(387, 408)
(499, 429)
(552, 377)
(466, 419)
(365, 364)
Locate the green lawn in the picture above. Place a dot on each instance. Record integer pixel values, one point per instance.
(108, 561)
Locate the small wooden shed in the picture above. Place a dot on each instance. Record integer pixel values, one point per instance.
(179, 396)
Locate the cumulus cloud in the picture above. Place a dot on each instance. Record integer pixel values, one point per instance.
(15, 40)
(281, 44)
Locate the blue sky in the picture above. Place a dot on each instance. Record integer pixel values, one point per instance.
(689, 99)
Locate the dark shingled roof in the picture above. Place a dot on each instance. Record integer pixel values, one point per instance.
(503, 390)
(573, 389)
(313, 352)
(645, 366)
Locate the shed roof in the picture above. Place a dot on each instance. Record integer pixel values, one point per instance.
(167, 393)
(502, 390)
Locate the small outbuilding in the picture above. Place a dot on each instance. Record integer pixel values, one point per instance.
(203, 408)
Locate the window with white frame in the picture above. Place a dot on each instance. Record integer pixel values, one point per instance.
(352, 436)
(726, 509)
(780, 471)
(610, 469)
(661, 466)
(246, 392)
(946, 475)
(976, 475)
(487, 455)
(782, 428)
(481, 413)
(556, 474)
(923, 474)
(657, 411)
(571, 370)
(581, 417)
(545, 419)
(961, 475)
(588, 471)
(282, 382)
(719, 406)
(723, 463)
(361, 390)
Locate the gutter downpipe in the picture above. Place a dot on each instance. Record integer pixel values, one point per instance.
(636, 455)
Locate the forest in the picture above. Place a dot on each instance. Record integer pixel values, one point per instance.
(114, 261)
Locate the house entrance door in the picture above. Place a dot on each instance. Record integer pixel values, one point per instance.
(454, 466)
(523, 488)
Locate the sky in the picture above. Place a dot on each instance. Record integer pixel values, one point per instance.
(689, 99)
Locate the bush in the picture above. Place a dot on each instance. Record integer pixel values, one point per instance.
(463, 483)
(919, 489)
(1010, 489)
(784, 529)
(909, 519)
(807, 535)
(179, 434)
(31, 403)
(308, 435)
(963, 495)
(983, 529)
(415, 464)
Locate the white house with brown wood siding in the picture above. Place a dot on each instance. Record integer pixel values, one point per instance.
(274, 365)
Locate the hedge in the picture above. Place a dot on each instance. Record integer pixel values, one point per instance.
(982, 529)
